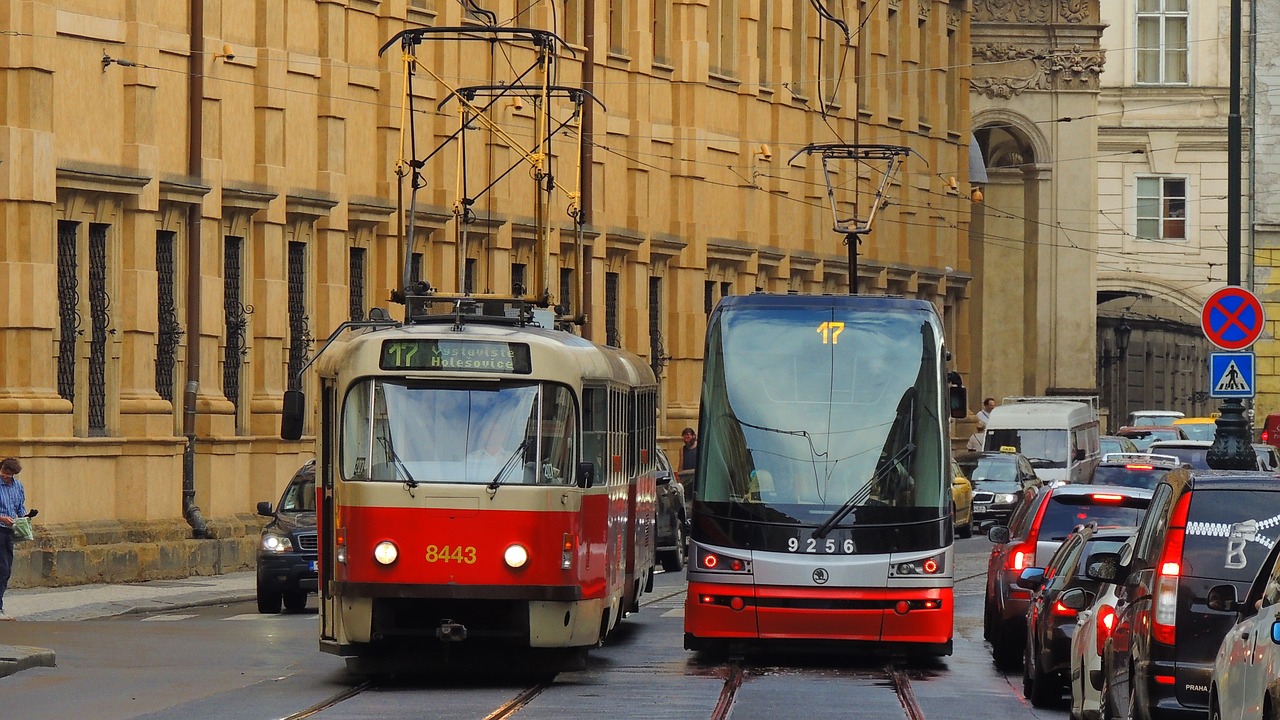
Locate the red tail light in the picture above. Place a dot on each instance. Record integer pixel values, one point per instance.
(1140, 467)
(1106, 621)
(1107, 497)
(1062, 610)
(1265, 434)
(1022, 557)
(1168, 569)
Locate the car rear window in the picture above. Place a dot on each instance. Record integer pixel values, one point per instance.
(1133, 475)
(1098, 546)
(1229, 533)
(1195, 456)
(1065, 512)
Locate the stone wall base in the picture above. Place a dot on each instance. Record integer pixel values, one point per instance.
(117, 552)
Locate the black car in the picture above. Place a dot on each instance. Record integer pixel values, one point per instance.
(1036, 530)
(288, 552)
(1205, 528)
(999, 480)
(673, 527)
(1134, 469)
(1061, 590)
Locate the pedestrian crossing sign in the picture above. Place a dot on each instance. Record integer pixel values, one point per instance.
(1231, 375)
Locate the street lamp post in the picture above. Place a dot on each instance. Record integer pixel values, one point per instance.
(1231, 443)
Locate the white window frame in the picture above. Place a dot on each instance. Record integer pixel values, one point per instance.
(1165, 216)
(1163, 16)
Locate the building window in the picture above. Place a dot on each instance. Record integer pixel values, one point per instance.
(708, 296)
(100, 322)
(922, 71)
(566, 291)
(953, 83)
(355, 283)
(863, 59)
(657, 353)
(415, 267)
(893, 70)
(169, 331)
(800, 10)
(1162, 208)
(831, 74)
(764, 41)
(722, 20)
(662, 31)
(469, 276)
(572, 22)
(518, 283)
(235, 318)
(618, 26)
(1162, 42)
(612, 335)
(299, 328)
(68, 308)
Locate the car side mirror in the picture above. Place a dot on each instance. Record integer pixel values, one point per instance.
(998, 534)
(1103, 567)
(292, 414)
(1031, 579)
(958, 399)
(264, 508)
(586, 475)
(1275, 632)
(1222, 598)
(1076, 598)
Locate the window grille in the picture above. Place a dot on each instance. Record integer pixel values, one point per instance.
(68, 308)
(708, 296)
(612, 336)
(100, 320)
(657, 353)
(169, 330)
(415, 267)
(518, 286)
(469, 277)
(566, 290)
(236, 315)
(356, 283)
(299, 332)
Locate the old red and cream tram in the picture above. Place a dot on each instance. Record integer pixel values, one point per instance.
(822, 499)
(484, 484)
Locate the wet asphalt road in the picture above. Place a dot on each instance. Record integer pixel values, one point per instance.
(229, 662)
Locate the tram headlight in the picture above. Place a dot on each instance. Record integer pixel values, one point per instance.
(515, 556)
(274, 543)
(385, 552)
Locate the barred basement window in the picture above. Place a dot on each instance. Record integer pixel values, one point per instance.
(68, 308)
(236, 315)
(355, 284)
(612, 336)
(169, 330)
(100, 321)
(299, 332)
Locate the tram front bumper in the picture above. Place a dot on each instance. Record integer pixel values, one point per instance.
(910, 616)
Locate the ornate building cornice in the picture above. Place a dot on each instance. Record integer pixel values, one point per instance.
(1075, 69)
(1076, 12)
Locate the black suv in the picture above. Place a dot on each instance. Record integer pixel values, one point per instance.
(1205, 528)
(673, 526)
(1061, 591)
(1134, 469)
(999, 480)
(1038, 526)
(288, 551)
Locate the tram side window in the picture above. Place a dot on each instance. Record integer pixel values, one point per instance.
(356, 426)
(559, 436)
(595, 428)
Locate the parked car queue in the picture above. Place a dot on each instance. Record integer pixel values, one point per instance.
(1162, 613)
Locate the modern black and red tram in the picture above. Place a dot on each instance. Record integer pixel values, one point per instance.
(821, 505)
(485, 485)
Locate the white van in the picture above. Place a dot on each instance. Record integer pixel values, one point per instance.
(1059, 435)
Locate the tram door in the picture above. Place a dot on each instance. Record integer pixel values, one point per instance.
(326, 514)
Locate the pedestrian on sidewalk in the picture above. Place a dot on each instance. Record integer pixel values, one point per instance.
(13, 505)
(688, 457)
(984, 415)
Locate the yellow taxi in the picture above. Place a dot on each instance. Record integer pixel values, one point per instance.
(1198, 428)
(962, 501)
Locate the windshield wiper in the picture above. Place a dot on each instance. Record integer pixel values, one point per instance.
(506, 467)
(862, 494)
(409, 482)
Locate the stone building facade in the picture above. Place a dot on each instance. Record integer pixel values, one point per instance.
(1265, 173)
(193, 195)
(1034, 237)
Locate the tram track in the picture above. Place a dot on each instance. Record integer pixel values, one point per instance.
(735, 675)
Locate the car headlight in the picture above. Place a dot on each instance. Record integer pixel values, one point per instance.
(385, 552)
(515, 556)
(1005, 497)
(273, 543)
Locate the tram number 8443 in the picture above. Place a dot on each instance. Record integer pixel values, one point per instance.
(458, 554)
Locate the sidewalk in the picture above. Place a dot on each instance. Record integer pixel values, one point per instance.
(87, 602)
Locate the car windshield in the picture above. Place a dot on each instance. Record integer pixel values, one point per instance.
(996, 469)
(854, 422)
(1044, 448)
(1199, 431)
(1131, 475)
(416, 432)
(1148, 420)
(1067, 512)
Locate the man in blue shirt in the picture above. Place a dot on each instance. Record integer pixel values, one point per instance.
(13, 505)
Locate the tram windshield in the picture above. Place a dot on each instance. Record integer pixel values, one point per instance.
(816, 415)
(414, 432)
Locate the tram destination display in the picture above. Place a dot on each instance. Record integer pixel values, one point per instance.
(466, 356)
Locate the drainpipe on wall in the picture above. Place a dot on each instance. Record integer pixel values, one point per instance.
(588, 156)
(195, 168)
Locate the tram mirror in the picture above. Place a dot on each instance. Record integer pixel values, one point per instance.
(291, 417)
(586, 475)
(959, 401)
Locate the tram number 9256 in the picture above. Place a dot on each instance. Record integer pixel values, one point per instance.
(825, 546)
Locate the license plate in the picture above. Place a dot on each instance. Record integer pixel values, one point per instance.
(315, 564)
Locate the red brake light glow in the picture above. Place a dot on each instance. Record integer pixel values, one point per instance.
(1060, 609)
(931, 566)
(710, 562)
(1106, 623)
(1106, 497)
(1172, 569)
(1140, 467)
(1165, 606)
